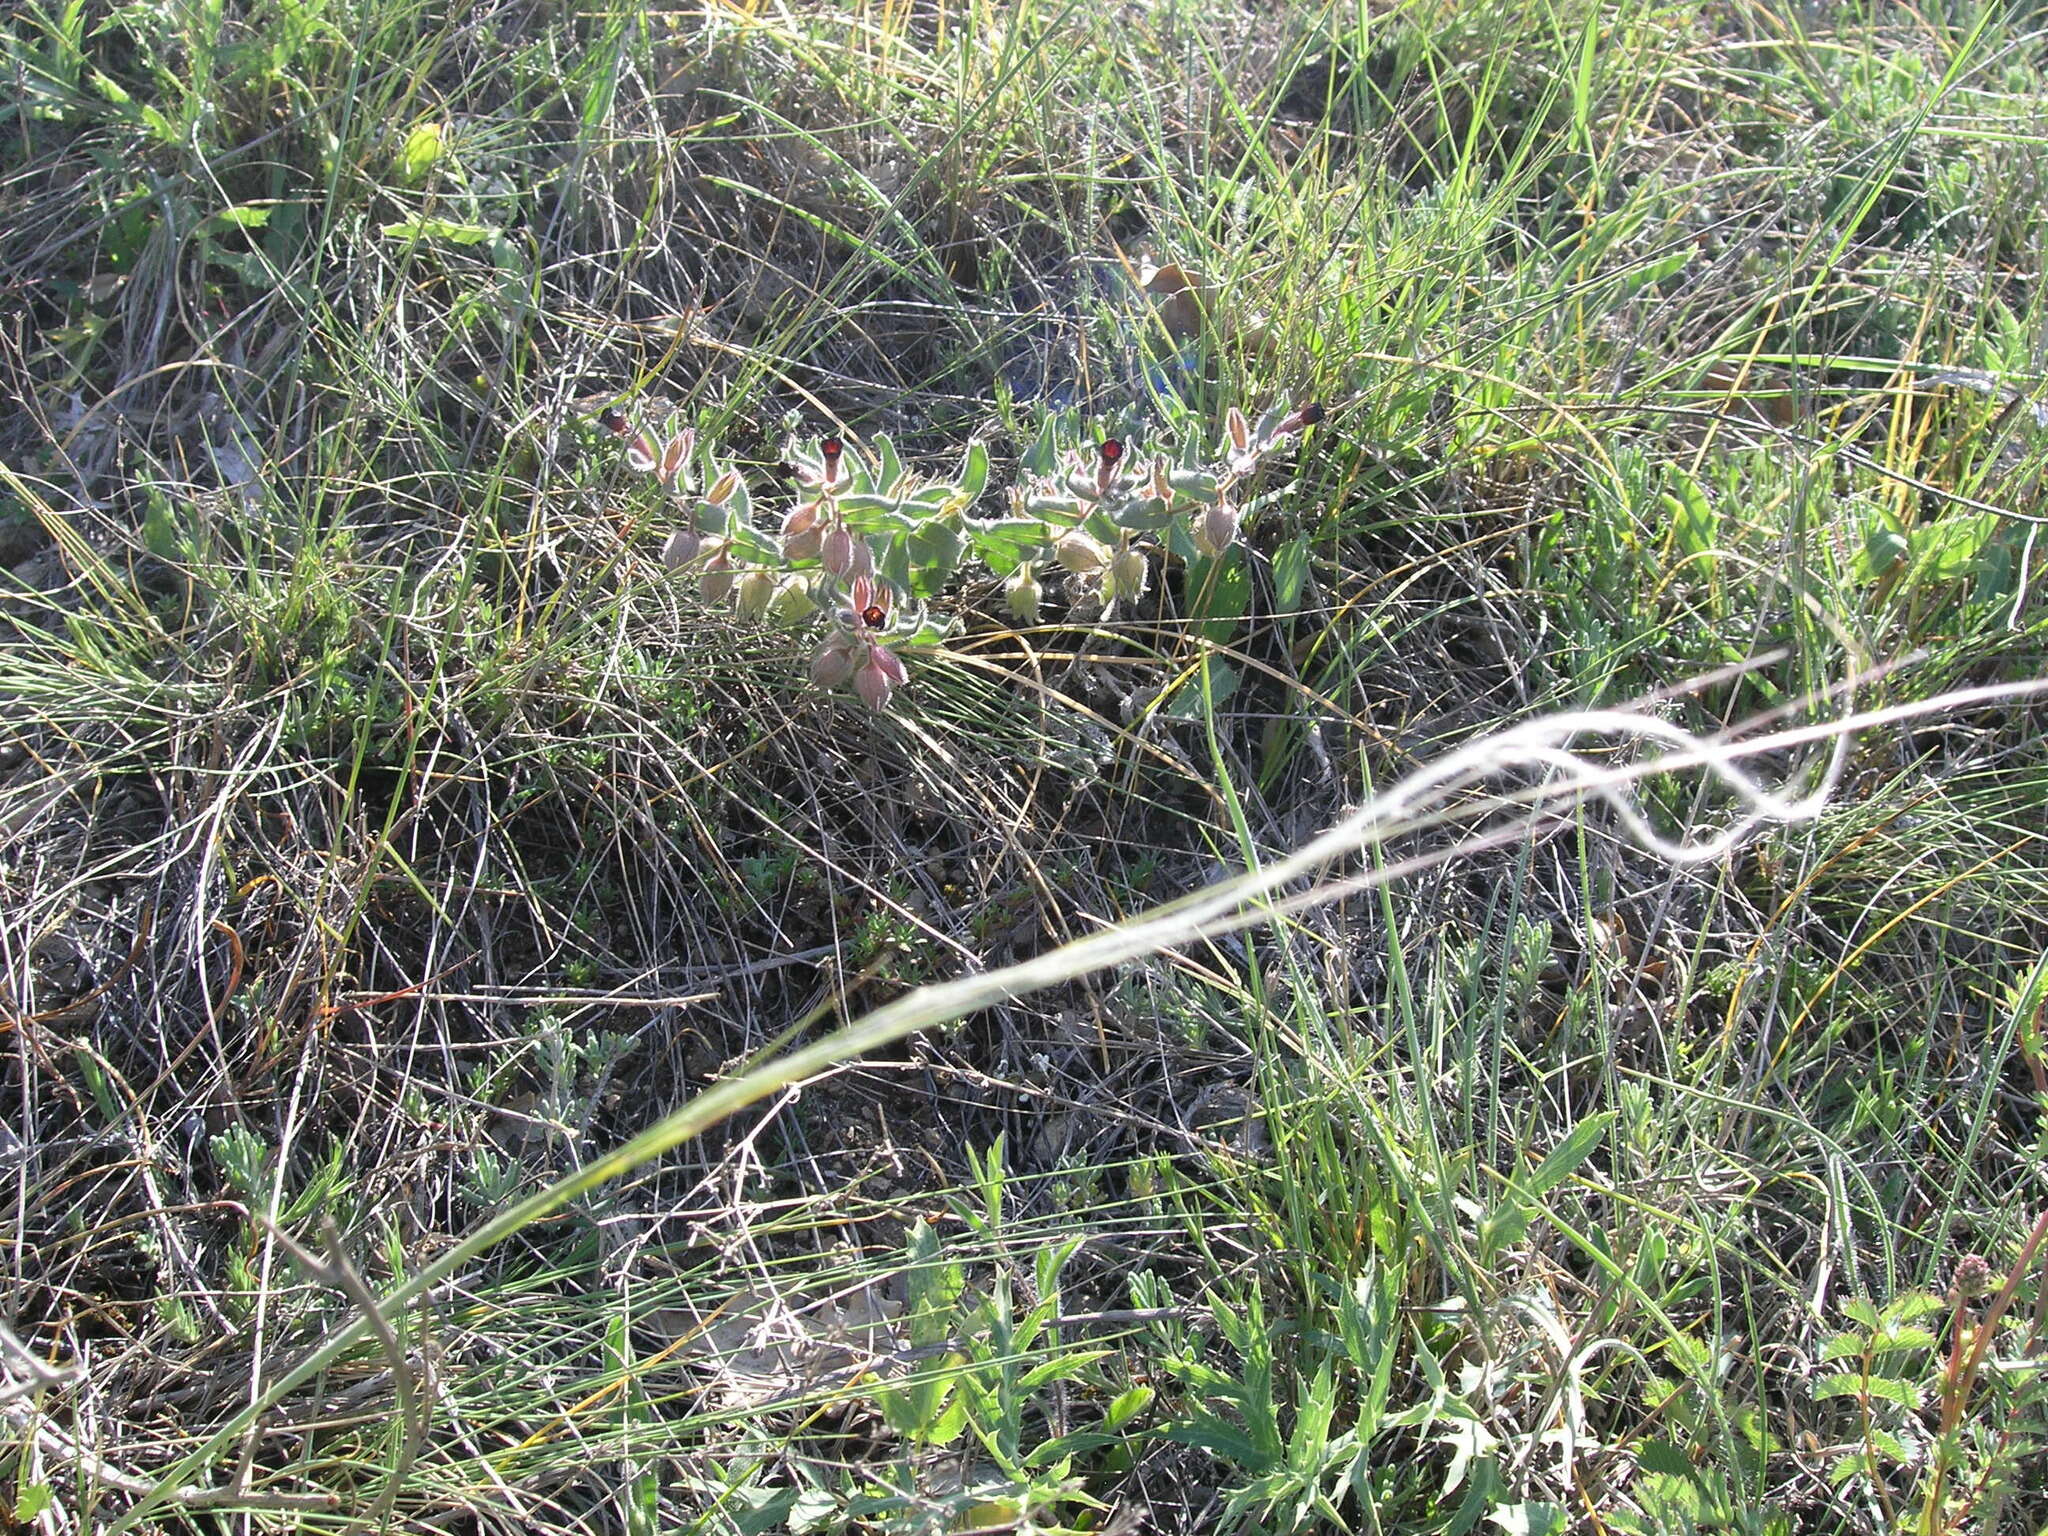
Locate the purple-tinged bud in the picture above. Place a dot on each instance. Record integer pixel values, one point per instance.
(880, 675)
(802, 520)
(1215, 528)
(837, 550)
(681, 548)
(1973, 1276)
(717, 580)
(802, 546)
(833, 664)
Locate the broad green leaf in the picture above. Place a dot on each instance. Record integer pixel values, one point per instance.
(426, 229)
(973, 475)
(1059, 1368)
(1566, 1156)
(241, 216)
(1885, 546)
(889, 468)
(1145, 516)
(1290, 573)
(1694, 525)
(1219, 591)
(892, 563)
(1656, 271)
(934, 551)
(1535, 1518)
(1946, 548)
(421, 152)
(1127, 1405)
(1185, 700)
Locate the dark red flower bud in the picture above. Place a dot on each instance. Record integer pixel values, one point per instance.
(1111, 449)
(873, 616)
(613, 420)
(1304, 417)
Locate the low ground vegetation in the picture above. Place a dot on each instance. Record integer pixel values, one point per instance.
(401, 811)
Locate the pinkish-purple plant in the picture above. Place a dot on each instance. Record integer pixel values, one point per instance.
(868, 544)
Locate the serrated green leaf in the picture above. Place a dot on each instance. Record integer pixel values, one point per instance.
(1662, 1456)
(947, 1425)
(1853, 1464)
(1857, 1385)
(1502, 1229)
(164, 130)
(1469, 1441)
(1890, 1388)
(1842, 1346)
(1689, 1354)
